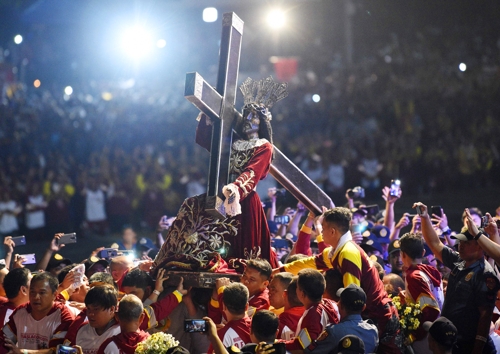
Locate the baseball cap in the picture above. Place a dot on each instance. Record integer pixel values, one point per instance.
(371, 244)
(359, 211)
(352, 296)
(442, 331)
(394, 246)
(351, 344)
(57, 260)
(382, 232)
(464, 235)
(92, 261)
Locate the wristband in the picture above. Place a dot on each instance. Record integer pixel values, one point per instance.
(156, 292)
(446, 230)
(481, 338)
(479, 234)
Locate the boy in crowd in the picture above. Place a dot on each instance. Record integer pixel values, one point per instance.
(289, 318)
(42, 322)
(351, 305)
(130, 316)
(277, 288)
(17, 287)
(423, 286)
(101, 304)
(235, 305)
(256, 279)
(319, 312)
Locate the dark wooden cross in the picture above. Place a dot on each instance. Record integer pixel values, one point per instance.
(218, 104)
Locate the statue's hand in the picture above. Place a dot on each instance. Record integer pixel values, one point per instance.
(231, 198)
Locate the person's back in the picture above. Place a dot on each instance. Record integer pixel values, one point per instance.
(420, 281)
(130, 315)
(235, 304)
(319, 312)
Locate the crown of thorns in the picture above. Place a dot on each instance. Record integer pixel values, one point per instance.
(264, 92)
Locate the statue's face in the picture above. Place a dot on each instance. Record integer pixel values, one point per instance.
(251, 122)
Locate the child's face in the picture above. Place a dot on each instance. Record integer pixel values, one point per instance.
(254, 281)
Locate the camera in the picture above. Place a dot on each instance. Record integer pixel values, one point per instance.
(395, 188)
(356, 192)
(192, 326)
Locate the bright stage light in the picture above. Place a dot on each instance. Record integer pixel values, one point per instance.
(18, 39)
(276, 19)
(210, 14)
(37, 83)
(161, 43)
(316, 98)
(68, 90)
(462, 67)
(137, 42)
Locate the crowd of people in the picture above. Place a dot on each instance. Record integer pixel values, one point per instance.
(344, 283)
(397, 111)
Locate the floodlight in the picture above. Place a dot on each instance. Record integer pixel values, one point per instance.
(18, 39)
(37, 83)
(316, 98)
(137, 42)
(276, 18)
(161, 43)
(210, 14)
(462, 67)
(68, 90)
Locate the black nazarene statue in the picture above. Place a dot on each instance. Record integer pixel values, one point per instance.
(197, 241)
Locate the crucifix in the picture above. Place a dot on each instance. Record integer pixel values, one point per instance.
(218, 104)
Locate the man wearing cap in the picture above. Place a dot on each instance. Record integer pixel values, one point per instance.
(95, 265)
(356, 268)
(472, 287)
(442, 335)
(352, 303)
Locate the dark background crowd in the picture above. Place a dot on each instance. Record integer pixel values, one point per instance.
(393, 104)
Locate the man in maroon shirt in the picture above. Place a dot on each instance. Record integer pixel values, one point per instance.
(256, 279)
(235, 305)
(319, 312)
(290, 317)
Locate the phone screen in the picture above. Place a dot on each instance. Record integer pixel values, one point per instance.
(192, 326)
(395, 186)
(19, 240)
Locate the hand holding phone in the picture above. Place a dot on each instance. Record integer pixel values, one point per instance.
(67, 238)
(28, 258)
(437, 210)
(19, 240)
(282, 219)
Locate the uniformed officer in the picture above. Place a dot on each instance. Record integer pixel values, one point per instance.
(472, 287)
(352, 302)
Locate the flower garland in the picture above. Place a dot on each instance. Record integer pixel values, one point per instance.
(158, 343)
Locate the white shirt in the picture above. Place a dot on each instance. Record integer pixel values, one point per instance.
(8, 222)
(95, 206)
(36, 219)
(90, 341)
